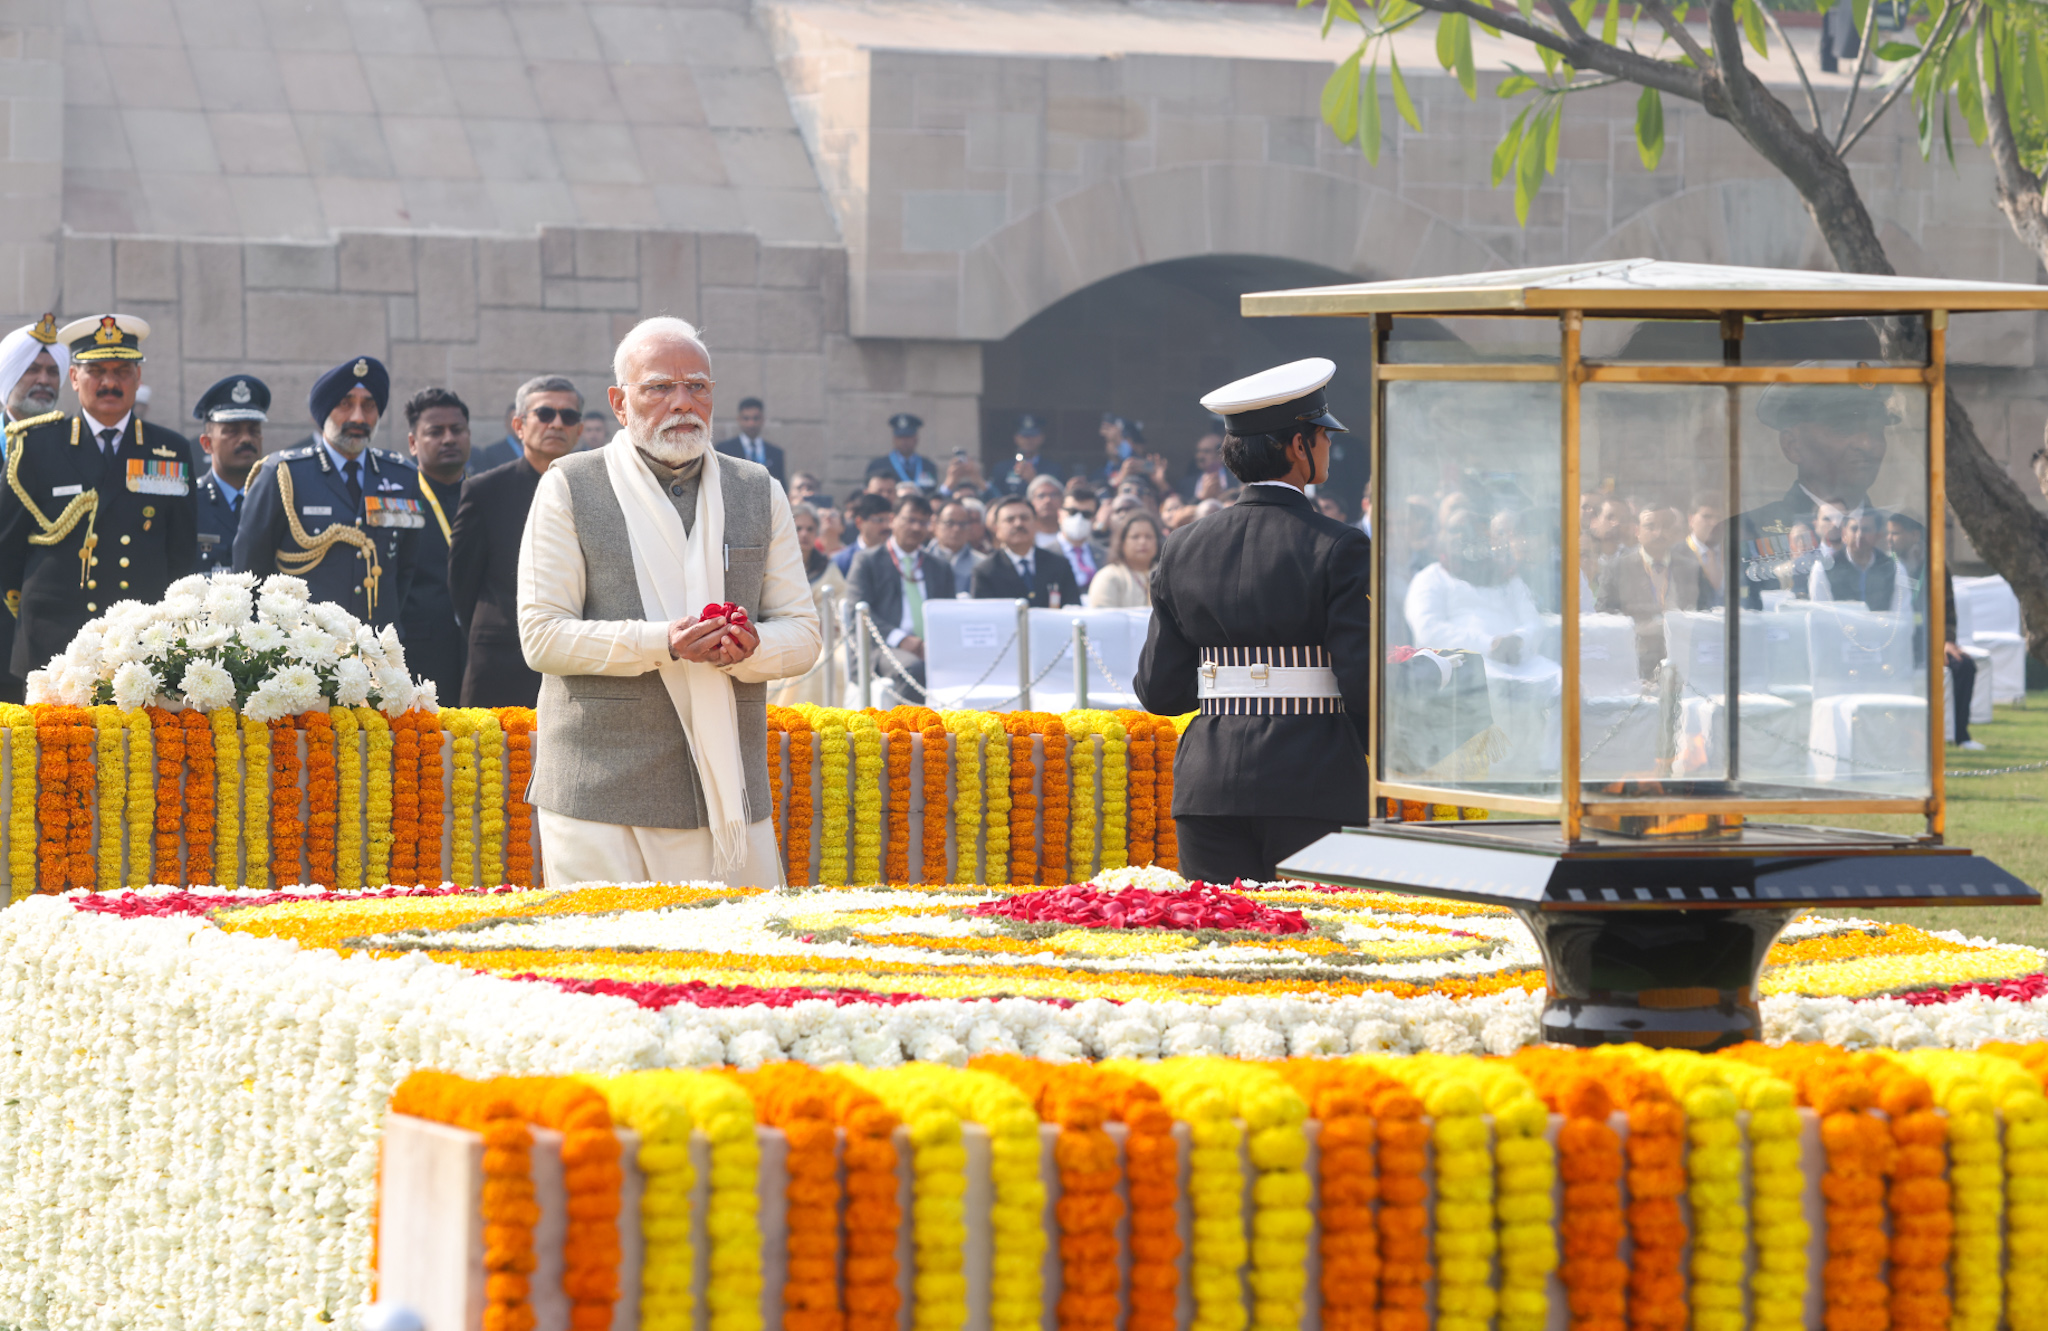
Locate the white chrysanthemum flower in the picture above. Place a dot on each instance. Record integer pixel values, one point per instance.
(333, 619)
(41, 686)
(184, 605)
(245, 581)
(281, 614)
(427, 696)
(192, 584)
(396, 689)
(207, 686)
(266, 704)
(393, 650)
(313, 645)
(120, 647)
(351, 682)
(285, 587)
(228, 604)
(298, 686)
(260, 638)
(129, 614)
(135, 684)
(86, 646)
(155, 639)
(75, 685)
(209, 639)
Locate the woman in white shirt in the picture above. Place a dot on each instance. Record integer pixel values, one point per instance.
(1126, 581)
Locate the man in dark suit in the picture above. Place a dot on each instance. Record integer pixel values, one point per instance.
(499, 451)
(1019, 566)
(109, 496)
(232, 413)
(897, 579)
(437, 433)
(483, 560)
(1834, 435)
(870, 517)
(1656, 574)
(1261, 618)
(749, 444)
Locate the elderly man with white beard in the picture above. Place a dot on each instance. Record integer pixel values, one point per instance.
(661, 588)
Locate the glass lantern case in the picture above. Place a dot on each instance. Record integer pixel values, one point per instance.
(1652, 559)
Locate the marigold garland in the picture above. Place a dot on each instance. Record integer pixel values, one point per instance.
(1977, 1185)
(644, 1102)
(1166, 849)
(1215, 1183)
(346, 733)
(776, 801)
(287, 832)
(1713, 1165)
(202, 822)
(968, 797)
(1141, 749)
(932, 756)
(1590, 1159)
(141, 813)
(256, 803)
(1054, 793)
(1340, 1094)
(1465, 1240)
(1082, 765)
(490, 795)
(835, 757)
(322, 798)
(169, 764)
(798, 1100)
(1020, 727)
(431, 833)
(379, 805)
(866, 738)
(938, 1163)
(53, 798)
(112, 776)
(405, 800)
(2016, 1088)
(896, 730)
(20, 724)
(517, 723)
(80, 738)
(1919, 1198)
(802, 808)
(460, 724)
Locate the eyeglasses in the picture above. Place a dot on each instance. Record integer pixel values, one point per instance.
(655, 390)
(546, 415)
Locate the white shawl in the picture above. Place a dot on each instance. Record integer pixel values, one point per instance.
(691, 573)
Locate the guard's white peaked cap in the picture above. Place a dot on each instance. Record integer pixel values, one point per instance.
(1259, 403)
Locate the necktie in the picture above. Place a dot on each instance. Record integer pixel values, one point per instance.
(757, 452)
(1024, 567)
(913, 597)
(109, 440)
(355, 487)
(110, 456)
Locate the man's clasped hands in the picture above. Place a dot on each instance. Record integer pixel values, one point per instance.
(719, 634)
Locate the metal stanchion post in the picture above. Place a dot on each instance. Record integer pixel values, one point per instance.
(1023, 654)
(866, 644)
(828, 621)
(1080, 664)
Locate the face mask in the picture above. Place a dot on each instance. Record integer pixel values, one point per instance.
(1076, 527)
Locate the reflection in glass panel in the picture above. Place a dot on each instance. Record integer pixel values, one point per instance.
(1414, 341)
(1832, 563)
(1471, 585)
(1776, 342)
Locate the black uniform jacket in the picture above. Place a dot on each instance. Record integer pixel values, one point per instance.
(1269, 571)
(876, 581)
(995, 574)
(434, 646)
(146, 528)
(217, 522)
(392, 515)
(483, 579)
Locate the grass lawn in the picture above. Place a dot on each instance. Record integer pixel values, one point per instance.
(2004, 818)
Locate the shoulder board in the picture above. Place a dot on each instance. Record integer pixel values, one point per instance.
(291, 454)
(29, 423)
(390, 456)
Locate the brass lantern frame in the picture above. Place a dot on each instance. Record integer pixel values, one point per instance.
(1643, 289)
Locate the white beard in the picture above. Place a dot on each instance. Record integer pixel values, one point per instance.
(679, 438)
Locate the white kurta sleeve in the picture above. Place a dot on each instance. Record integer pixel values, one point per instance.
(553, 634)
(788, 622)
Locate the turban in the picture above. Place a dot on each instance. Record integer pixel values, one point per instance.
(18, 351)
(333, 386)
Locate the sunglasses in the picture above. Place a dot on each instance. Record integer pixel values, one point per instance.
(546, 415)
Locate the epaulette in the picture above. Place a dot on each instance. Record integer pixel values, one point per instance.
(390, 456)
(26, 424)
(291, 454)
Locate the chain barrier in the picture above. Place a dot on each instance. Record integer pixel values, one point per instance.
(898, 675)
(1954, 772)
(1115, 685)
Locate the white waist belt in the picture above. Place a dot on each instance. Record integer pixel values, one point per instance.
(1267, 681)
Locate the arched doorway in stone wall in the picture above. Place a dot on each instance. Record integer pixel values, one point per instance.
(1147, 343)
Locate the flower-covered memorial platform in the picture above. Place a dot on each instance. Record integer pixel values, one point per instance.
(1132, 1103)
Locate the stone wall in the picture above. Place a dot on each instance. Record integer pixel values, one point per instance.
(482, 314)
(31, 152)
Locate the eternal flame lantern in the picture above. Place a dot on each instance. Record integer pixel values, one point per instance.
(1652, 603)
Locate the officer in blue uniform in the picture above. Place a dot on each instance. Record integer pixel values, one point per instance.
(340, 514)
(231, 416)
(97, 507)
(904, 462)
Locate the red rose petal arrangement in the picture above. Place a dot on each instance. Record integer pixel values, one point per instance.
(725, 610)
(1201, 906)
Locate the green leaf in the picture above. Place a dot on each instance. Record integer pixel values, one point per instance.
(1402, 101)
(1369, 115)
(1454, 51)
(1528, 7)
(1393, 13)
(1650, 128)
(1859, 14)
(1339, 9)
(1549, 58)
(1529, 166)
(1514, 85)
(1891, 51)
(1582, 10)
(1340, 99)
(2034, 80)
(1610, 27)
(1550, 139)
(1970, 98)
(1510, 143)
(1752, 15)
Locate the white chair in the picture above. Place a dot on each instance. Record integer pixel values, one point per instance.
(1869, 720)
(1773, 734)
(1994, 625)
(1617, 713)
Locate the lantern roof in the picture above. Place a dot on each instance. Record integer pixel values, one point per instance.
(1651, 288)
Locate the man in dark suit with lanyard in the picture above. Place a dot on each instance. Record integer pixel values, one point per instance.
(231, 413)
(1261, 618)
(437, 437)
(1019, 566)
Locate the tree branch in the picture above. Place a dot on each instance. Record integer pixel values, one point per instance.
(1862, 63)
(1937, 38)
(1798, 65)
(2019, 189)
(1728, 49)
(1677, 32)
(1586, 52)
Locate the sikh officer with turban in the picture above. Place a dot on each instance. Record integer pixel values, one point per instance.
(98, 507)
(340, 514)
(32, 367)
